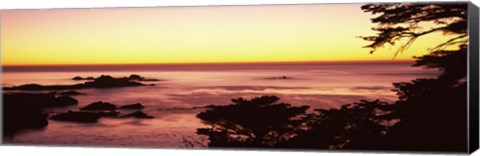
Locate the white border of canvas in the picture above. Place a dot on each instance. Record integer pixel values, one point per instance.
(82, 151)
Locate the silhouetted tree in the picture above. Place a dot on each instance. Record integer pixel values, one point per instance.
(258, 122)
(429, 115)
(359, 125)
(431, 112)
(452, 63)
(406, 21)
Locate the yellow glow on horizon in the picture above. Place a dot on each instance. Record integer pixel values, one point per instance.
(283, 33)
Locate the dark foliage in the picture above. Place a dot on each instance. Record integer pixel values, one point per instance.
(258, 122)
(359, 126)
(405, 21)
(452, 63)
(430, 114)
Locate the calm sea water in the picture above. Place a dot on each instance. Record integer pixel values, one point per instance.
(319, 85)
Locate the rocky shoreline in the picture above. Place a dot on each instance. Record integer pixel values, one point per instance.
(26, 110)
(104, 81)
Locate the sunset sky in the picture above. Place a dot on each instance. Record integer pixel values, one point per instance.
(278, 33)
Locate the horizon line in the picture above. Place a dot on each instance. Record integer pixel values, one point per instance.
(212, 63)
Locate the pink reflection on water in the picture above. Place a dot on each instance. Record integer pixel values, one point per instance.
(171, 100)
(166, 132)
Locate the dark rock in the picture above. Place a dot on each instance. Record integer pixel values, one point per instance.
(15, 121)
(82, 117)
(37, 101)
(149, 80)
(104, 81)
(78, 78)
(99, 106)
(132, 106)
(71, 93)
(26, 87)
(138, 114)
(279, 78)
(37, 87)
(65, 101)
(135, 77)
(24, 111)
(140, 78)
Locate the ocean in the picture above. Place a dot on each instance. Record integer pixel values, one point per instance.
(175, 100)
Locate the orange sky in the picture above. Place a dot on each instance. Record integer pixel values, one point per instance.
(278, 33)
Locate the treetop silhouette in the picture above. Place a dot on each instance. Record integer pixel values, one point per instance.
(257, 122)
(430, 111)
(405, 21)
(429, 114)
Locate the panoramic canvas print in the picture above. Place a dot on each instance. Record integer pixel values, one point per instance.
(382, 76)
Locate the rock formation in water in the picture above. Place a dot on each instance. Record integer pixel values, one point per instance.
(77, 78)
(99, 105)
(71, 93)
(112, 114)
(138, 114)
(82, 117)
(132, 106)
(64, 101)
(279, 78)
(104, 81)
(140, 78)
(24, 110)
